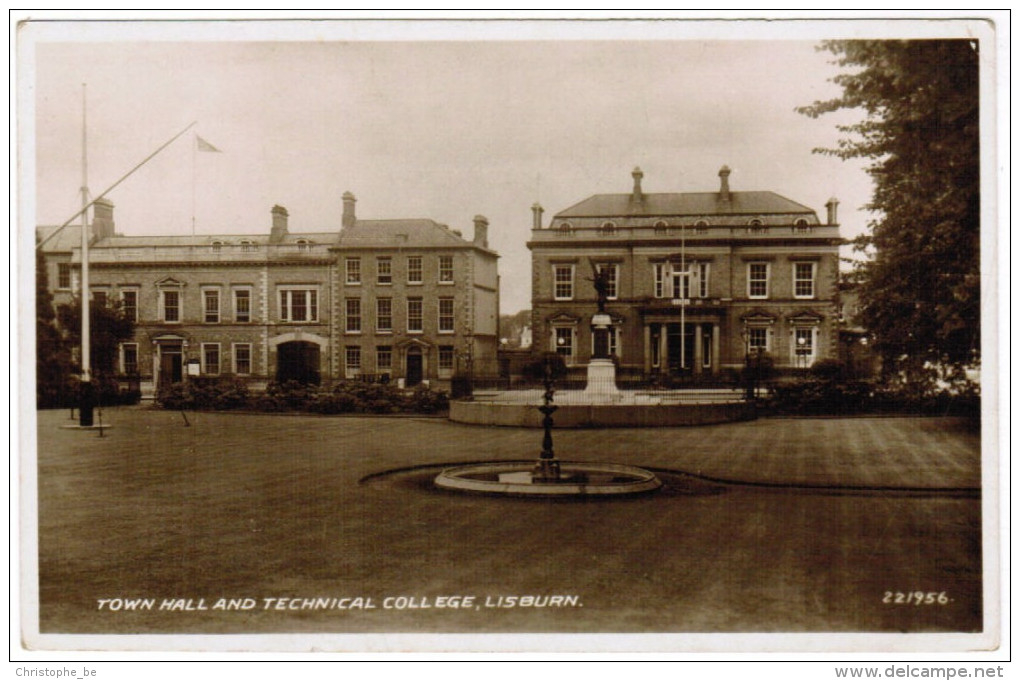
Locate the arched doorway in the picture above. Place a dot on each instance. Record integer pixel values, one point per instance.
(415, 367)
(298, 361)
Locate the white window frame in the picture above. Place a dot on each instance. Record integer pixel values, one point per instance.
(123, 358)
(445, 371)
(206, 291)
(352, 315)
(420, 270)
(659, 279)
(251, 358)
(65, 267)
(767, 280)
(379, 351)
(420, 316)
(234, 298)
(123, 303)
(285, 299)
(766, 334)
(811, 333)
(379, 271)
(614, 278)
(555, 282)
(810, 280)
(450, 317)
(379, 316)
(703, 270)
(219, 359)
(352, 271)
(445, 280)
(554, 341)
(162, 305)
(684, 277)
(351, 370)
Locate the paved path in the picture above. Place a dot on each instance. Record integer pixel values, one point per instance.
(277, 506)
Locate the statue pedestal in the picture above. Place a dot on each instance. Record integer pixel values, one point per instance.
(601, 380)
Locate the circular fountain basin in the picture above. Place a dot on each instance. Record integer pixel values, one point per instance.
(623, 408)
(514, 478)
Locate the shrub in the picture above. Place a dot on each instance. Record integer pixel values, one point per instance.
(535, 369)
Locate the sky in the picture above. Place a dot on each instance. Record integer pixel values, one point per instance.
(424, 124)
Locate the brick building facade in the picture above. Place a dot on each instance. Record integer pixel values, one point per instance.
(279, 306)
(697, 280)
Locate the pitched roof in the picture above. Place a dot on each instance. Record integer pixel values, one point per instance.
(412, 233)
(67, 239)
(694, 203)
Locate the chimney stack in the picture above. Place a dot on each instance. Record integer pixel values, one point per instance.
(481, 231)
(349, 218)
(536, 216)
(279, 230)
(724, 184)
(831, 205)
(102, 219)
(637, 196)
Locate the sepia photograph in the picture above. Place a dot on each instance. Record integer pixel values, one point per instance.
(508, 336)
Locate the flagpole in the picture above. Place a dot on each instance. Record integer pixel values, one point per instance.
(113, 186)
(194, 153)
(85, 397)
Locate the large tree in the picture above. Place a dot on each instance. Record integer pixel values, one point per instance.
(920, 277)
(53, 368)
(109, 326)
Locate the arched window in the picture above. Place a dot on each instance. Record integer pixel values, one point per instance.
(248, 245)
(217, 245)
(801, 225)
(566, 226)
(701, 227)
(303, 244)
(756, 226)
(661, 227)
(608, 227)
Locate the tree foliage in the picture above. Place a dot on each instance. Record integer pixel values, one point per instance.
(108, 326)
(53, 367)
(920, 281)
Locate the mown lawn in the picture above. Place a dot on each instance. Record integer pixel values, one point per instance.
(839, 513)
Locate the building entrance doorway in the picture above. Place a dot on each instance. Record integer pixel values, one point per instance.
(680, 358)
(171, 364)
(297, 361)
(414, 367)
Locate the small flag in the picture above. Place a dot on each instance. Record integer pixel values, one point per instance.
(203, 145)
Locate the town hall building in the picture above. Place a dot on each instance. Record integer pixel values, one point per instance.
(408, 300)
(697, 281)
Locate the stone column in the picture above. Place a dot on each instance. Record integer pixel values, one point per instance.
(698, 359)
(715, 349)
(664, 348)
(648, 349)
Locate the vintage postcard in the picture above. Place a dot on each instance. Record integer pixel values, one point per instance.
(502, 336)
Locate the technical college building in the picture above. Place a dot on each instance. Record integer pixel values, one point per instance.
(405, 300)
(697, 280)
